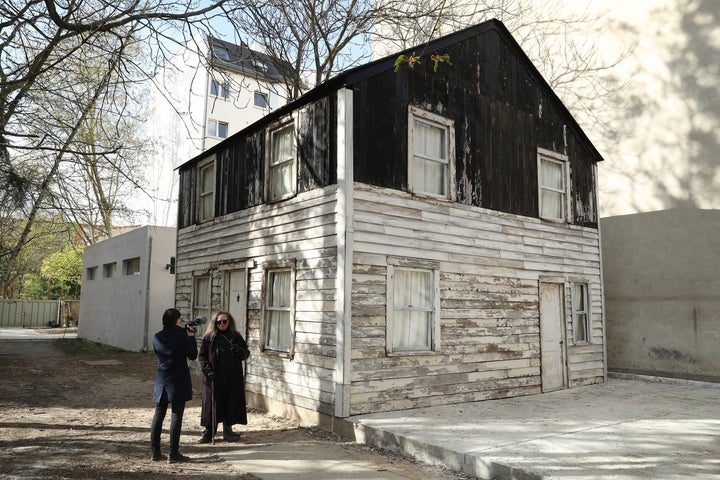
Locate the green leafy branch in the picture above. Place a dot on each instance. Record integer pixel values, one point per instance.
(410, 60)
(438, 59)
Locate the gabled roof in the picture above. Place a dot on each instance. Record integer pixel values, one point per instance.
(246, 61)
(357, 74)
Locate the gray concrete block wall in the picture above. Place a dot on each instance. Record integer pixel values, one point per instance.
(662, 293)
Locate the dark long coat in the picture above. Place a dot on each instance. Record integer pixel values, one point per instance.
(229, 384)
(173, 347)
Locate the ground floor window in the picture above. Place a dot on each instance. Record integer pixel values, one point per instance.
(413, 307)
(581, 316)
(279, 308)
(201, 297)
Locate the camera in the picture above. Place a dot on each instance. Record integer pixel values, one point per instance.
(190, 326)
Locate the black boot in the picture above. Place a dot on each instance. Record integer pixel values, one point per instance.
(177, 457)
(156, 455)
(228, 434)
(205, 437)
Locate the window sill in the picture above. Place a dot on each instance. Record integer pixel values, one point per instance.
(413, 353)
(277, 353)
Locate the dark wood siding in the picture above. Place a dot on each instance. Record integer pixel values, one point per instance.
(502, 115)
(240, 164)
(316, 141)
(186, 207)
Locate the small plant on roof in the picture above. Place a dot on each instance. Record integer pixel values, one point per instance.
(410, 60)
(438, 59)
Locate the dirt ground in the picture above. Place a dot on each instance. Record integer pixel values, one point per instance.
(70, 409)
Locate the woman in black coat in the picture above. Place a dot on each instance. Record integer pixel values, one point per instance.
(173, 346)
(222, 352)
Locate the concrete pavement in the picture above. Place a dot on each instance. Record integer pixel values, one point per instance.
(628, 429)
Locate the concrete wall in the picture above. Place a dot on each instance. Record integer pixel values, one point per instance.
(125, 310)
(662, 292)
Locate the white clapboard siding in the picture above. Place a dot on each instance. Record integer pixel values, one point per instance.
(302, 229)
(490, 265)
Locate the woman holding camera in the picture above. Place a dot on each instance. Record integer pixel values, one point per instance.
(173, 346)
(222, 352)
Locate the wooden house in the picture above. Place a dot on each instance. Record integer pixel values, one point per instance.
(398, 239)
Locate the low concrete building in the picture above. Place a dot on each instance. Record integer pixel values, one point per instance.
(662, 278)
(128, 282)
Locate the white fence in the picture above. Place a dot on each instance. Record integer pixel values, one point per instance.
(29, 313)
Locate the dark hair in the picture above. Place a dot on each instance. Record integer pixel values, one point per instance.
(170, 317)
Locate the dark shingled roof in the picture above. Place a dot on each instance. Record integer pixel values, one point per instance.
(242, 59)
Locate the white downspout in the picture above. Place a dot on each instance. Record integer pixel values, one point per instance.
(344, 233)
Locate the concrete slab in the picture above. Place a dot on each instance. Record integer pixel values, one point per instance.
(628, 428)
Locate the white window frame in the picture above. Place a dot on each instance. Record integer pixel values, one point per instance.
(432, 269)
(273, 164)
(581, 322)
(288, 307)
(201, 300)
(214, 126)
(448, 126)
(562, 160)
(206, 195)
(219, 89)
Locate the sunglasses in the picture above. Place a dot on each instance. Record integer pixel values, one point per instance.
(221, 322)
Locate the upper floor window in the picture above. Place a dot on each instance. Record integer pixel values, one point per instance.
(90, 273)
(413, 307)
(281, 163)
(206, 192)
(222, 53)
(219, 89)
(279, 308)
(581, 314)
(431, 164)
(553, 185)
(261, 100)
(260, 65)
(217, 129)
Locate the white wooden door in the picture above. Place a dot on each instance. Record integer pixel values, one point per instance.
(236, 298)
(552, 328)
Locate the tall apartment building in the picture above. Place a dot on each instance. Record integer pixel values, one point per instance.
(205, 93)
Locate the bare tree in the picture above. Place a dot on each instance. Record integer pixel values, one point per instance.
(316, 37)
(40, 39)
(328, 36)
(563, 44)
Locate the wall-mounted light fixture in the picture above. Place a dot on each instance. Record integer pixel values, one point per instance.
(171, 266)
